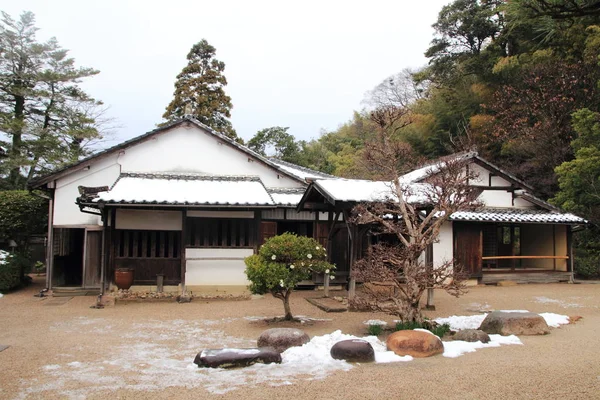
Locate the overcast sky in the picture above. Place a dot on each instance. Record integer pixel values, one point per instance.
(305, 65)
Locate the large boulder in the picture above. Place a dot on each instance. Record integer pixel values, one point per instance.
(472, 335)
(415, 343)
(233, 358)
(282, 339)
(353, 350)
(514, 323)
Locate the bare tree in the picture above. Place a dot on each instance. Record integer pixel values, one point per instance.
(396, 274)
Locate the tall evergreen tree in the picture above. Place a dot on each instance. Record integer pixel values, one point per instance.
(199, 91)
(45, 116)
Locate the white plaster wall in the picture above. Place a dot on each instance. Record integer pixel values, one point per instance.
(102, 173)
(148, 220)
(483, 177)
(496, 198)
(443, 249)
(216, 267)
(190, 149)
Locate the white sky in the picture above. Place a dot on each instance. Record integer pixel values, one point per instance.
(306, 65)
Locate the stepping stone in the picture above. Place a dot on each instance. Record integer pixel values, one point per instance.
(353, 350)
(3, 347)
(514, 323)
(282, 339)
(57, 301)
(414, 343)
(234, 358)
(472, 335)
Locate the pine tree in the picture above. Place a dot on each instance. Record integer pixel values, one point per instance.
(199, 91)
(46, 117)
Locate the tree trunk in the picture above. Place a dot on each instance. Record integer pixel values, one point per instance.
(15, 172)
(286, 306)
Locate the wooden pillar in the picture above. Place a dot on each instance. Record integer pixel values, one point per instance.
(182, 244)
(326, 285)
(255, 238)
(351, 252)
(50, 244)
(554, 245)
(429, 265)
(104, 246)
(570, 261)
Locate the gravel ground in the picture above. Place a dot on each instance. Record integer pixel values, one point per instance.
(64, 349)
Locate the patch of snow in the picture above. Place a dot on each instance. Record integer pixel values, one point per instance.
(460, 322)
(555, 320)
(1, 295)
(547, 300)
(51, 367)
(457, 348)
(375, 322)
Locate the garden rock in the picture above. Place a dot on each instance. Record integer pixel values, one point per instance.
(282, 339)
(472, 335)
(414, 343)
(234, 358)
(514, 323)
(353, 350)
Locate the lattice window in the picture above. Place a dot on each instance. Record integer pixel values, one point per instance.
(219, 232)
(147, 244)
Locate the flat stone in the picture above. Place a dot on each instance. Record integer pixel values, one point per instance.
(328, 304)
(506, 283)
(514, 323)
(235, 358)
(414, 343)
(3, 347)
(472, 335)
(353, 350)
(282, 339)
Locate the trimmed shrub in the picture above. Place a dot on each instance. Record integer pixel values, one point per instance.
(11, 267)
(284, 261)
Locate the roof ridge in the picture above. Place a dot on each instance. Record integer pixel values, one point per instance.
(189, 176)
(301, 167)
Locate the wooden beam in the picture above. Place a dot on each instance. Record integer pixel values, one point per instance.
(50, 244)
(570, 252)
(526, 258)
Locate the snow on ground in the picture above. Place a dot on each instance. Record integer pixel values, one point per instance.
(460, 322)
(457, 348)
(159, 353)
(547, 300)
(375, 322)
(1, 295)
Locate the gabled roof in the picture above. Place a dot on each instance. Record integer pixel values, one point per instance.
(181, 189)
(301, 172)
(287, 197)
(433, 167)
(146, 136)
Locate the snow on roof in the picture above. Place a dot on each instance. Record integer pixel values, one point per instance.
(433, 168)
(138, 188)
(357, 190)
(286, 197)
(298, 171)
(523, 215)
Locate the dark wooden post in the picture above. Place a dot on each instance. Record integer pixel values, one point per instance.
(351, 243)
(103, 257)
(570, 261)
(50, 244)
(182, 245)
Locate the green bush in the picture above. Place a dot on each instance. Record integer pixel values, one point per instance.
(438, 330)
(375, 330)
(587, 267)
(284, 261)
(11, 267)
(21, 215)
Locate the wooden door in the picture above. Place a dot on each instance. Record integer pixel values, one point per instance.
(93, 259)
(268, 229)
(468, 246)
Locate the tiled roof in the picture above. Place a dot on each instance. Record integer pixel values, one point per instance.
(358, 191)
(300, 172)
(286, 196)
(517, 215)
(186, 189)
